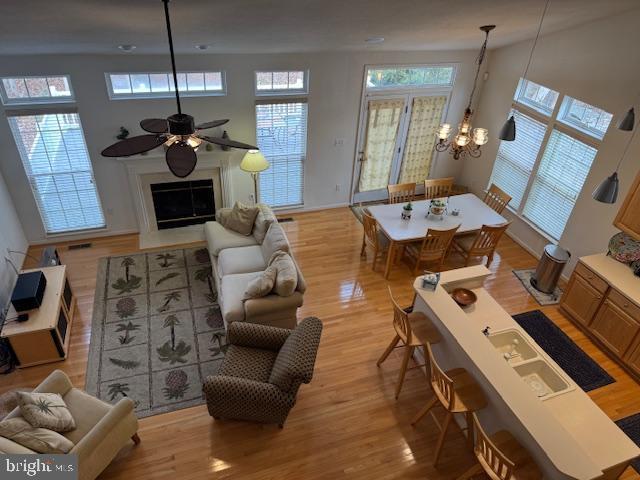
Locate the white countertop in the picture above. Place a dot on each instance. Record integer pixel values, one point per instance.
(473, 214)
(568, 433)
(618, 275)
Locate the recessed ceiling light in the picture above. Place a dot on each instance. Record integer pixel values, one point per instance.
(202, 47)
(127, 48)
(374, 40)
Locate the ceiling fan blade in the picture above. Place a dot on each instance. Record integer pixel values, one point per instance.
(181, 159)
(212, 124)
(154, 125)
(228, 143)
(134, 145)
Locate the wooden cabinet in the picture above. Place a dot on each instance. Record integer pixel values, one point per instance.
(581, 300)
(613, 327)
(628, 218)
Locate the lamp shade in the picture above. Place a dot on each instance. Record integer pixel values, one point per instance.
(628, 121)
(508, 131)
(254, 162)
(607, 191)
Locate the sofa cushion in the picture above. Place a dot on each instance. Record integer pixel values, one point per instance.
(250, 363)
(261, 286)
(39, 440)
(232, 290)
(264, 219)
(274, 240)
(87, 411)
(9, 446)
(219, 238)
(241, 218)
(46, 410)
(286, 273)
(241, 260)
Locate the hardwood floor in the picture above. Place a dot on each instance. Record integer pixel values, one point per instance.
(346, 423)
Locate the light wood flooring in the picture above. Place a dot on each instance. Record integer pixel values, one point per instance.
(346, 424)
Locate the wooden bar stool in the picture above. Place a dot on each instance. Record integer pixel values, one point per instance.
(457, 392)
(501, 457)
(414, 330)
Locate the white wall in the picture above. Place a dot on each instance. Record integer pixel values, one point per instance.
(596, 63)
(11, 238)
(334, 103)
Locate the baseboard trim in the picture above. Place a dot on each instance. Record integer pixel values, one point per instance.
(83, 236)
(291, 211)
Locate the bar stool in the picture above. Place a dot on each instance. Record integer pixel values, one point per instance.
(414, 330)
(501, 457)
(457, 392)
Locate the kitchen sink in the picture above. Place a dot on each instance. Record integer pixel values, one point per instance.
(512, 346)
(543, 379)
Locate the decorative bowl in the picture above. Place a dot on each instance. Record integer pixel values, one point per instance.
(464, 297)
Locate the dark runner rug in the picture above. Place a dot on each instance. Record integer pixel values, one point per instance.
(571, 358)
(631, 426)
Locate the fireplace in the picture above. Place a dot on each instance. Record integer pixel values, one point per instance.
(179, 204)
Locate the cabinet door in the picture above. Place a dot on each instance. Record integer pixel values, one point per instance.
(628, 219)
(581, 300)
(614, 328)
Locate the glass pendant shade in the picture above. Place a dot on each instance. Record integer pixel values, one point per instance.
(480, 136)
(444, 131)
(628, 121)
(607, 191)
(508, 131)
(462, 140)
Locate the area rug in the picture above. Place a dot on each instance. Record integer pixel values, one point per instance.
(571, 358)
(631, 426)
(156, 332)
(542, 298)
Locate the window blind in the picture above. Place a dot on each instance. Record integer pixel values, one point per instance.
(515, 160)
(281, 128)
(563, 170)
(57, 164)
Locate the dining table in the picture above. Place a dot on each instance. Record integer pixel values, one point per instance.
(472, 214)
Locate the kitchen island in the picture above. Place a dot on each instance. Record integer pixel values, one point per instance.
(563, 429)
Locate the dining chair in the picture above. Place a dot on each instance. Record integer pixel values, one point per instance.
(373, 238)
(501, 457)
(497, 198)
(413, 329)
(482, 244)
(433, 248)
(437, 188)
(401, 192)
(457, 392)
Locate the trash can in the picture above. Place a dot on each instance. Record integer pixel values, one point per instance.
(549, 268)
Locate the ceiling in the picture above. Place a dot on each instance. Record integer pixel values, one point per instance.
(270, 26)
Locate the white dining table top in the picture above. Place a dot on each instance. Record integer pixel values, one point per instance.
(473, 214)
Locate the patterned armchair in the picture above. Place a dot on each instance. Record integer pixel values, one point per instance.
(262, 371)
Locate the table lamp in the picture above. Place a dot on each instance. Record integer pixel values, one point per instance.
(254, 163)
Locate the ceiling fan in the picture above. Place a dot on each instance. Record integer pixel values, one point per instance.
(178, 132)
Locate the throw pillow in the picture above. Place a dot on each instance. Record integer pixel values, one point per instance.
(274, 240)
(262, 285)
(286, 273)
(264, 219)
(241, 218)
(40, 440)
(46, 410)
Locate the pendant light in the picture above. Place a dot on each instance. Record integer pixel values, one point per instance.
(508, 130)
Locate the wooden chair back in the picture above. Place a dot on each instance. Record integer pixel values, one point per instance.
(370, 230)
(437, 188)
(442, 385)
(497, 198)
(401, 321)
(493, 461)
(436, 243)
(487, 239)
(401, 192)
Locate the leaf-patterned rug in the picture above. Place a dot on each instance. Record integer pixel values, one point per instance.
(156, 332)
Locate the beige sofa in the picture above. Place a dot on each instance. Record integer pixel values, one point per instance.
(101, 429)
(237, 259)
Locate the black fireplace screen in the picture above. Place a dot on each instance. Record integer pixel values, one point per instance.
(178, 204)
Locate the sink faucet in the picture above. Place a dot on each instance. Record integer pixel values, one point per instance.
(485, 331)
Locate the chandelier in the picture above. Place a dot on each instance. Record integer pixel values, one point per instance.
(468, 140)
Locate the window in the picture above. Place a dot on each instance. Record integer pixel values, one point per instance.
(281, 128)
(57, 164)
(30, 90)
(282, 82)
(379, 78)
(545, 168)
(160, 85)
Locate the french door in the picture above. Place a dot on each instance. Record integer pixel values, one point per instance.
(397, 136)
